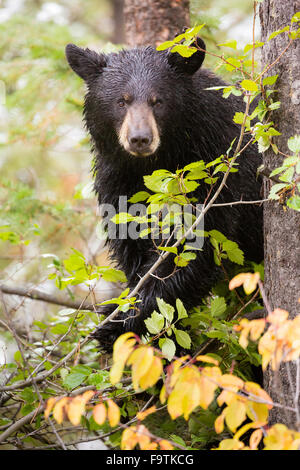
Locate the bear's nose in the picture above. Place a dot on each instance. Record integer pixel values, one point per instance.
(140, 142)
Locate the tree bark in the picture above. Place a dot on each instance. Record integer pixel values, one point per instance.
(281, 225)
(154, 21)
(118, 36)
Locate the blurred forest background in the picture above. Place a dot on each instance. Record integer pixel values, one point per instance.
(46, 202)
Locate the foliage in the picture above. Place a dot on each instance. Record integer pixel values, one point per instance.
(211, 395)
(188, 385)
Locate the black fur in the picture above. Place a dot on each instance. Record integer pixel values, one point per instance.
(194, 124)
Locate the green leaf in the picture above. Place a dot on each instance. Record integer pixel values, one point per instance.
(155, 323)
(165, 309)
(65, 312)
(75, 262)
(294, 203)
(73, 380)
(231, 43)
(77, 376)
(192, 32)
(249, 85)
(165, 45)
(183, 338)
(233, 252)
(288, 175)
(181, 311)
(99, 379)
(279, 31)
(276, 171)
(217, 236)
(138, 197)
(270, 80)
(274, 190)
(28, 395)
(200, 164)
(184, 258)
(112, 275)
(184, 51)
(122, 218)
(168, 348)
(249, 47)
(233, 64)
(59, 329)
(170, 249)
(294, 143)
(274, 105)
(218, 306)
(5, 421)
(296, 17)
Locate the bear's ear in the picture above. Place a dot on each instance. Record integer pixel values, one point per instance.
(84, 62)
(188, 65)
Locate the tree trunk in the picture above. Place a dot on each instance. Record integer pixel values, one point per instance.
(118, 16)
(154, 21)
(282, 227)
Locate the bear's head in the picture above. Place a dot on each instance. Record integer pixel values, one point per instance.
(135, 94)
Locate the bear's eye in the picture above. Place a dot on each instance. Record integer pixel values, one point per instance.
(157, 102)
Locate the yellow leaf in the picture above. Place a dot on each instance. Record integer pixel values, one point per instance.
(256, 328)
(238, 280)
(153, 374)
(50, 403)
(143, 414)
(141, 360)
(248, 280)
(176, 368)
(235, 414)
(256, 390)
(75, 410)
(230, 381)
(120, 342)
(151, 446)
(279, 437)
(226, 397)
(250, 283)
(113, 413)
(185, 395)
(144, 440)
(208, 385)
(243, 339)
(99, 413)
(165, 445)
(163, 394)
(255, 439)
(76, 406)
(278, 316)
(116, 372)
(219, 422)
(205, 358)
(129, 438)
(257, 412)
(230, 444)
(86, 396)
(59, 410)
(121, 353)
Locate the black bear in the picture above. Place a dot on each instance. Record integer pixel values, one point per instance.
(147, 110)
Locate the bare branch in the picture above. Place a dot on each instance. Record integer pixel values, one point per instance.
(35, 294)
